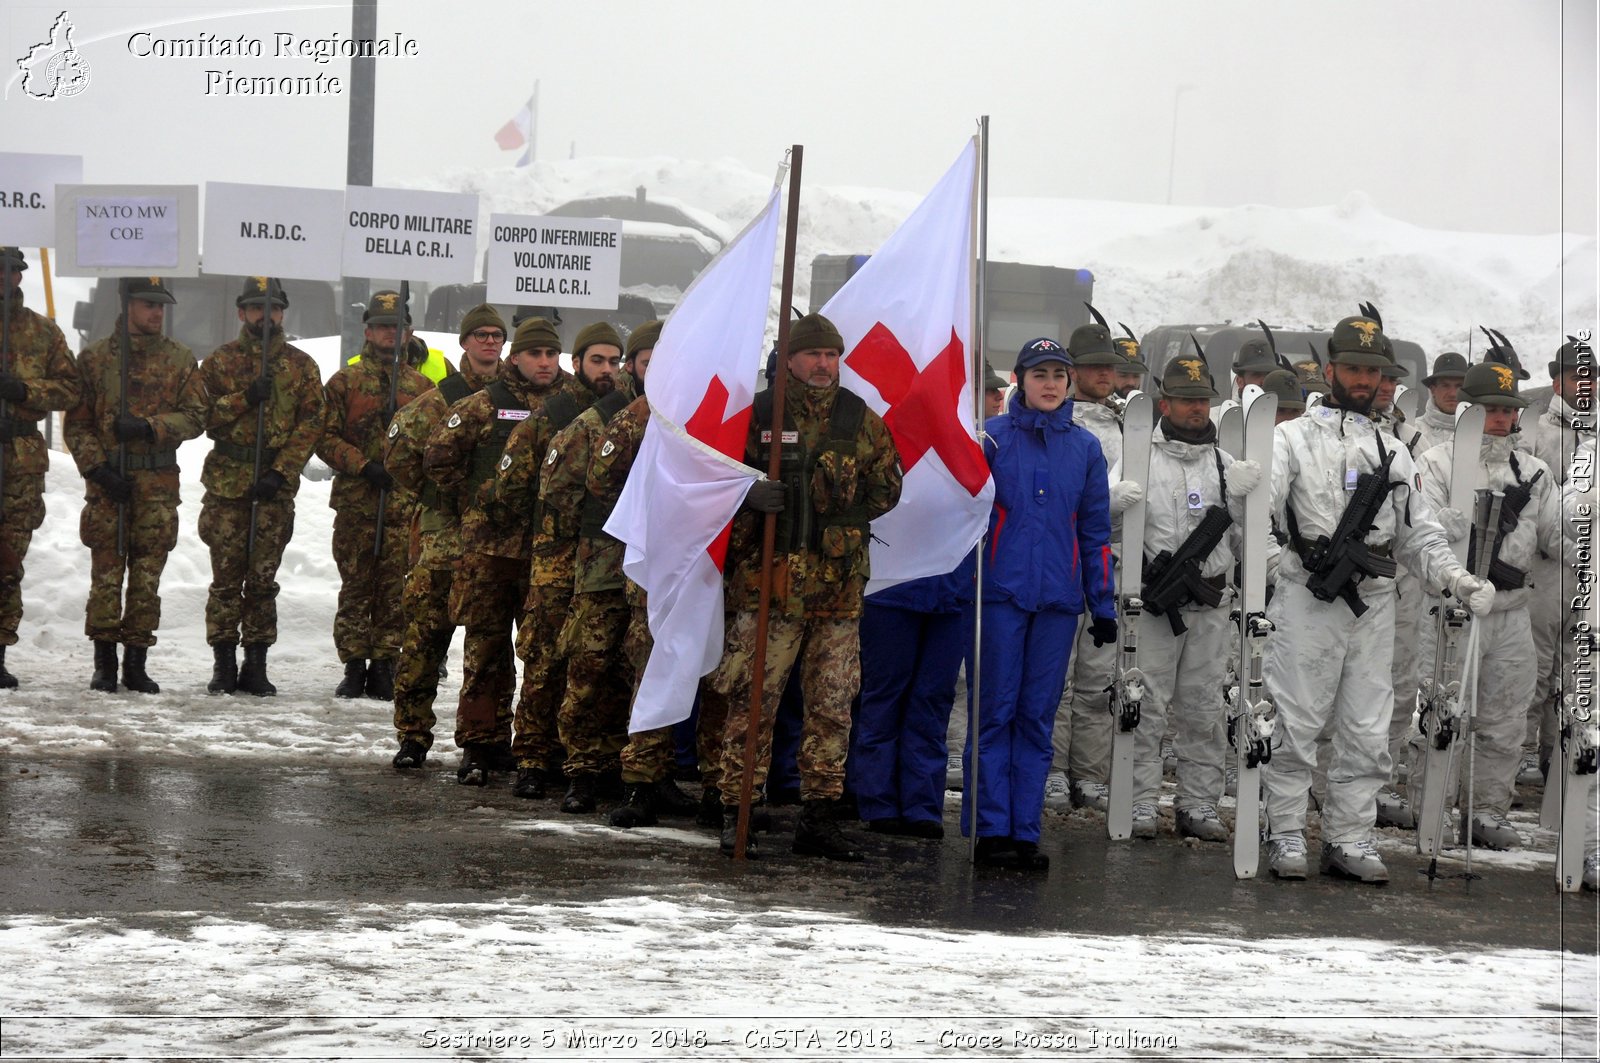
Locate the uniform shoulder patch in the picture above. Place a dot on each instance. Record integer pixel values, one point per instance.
(394, 429)
(454, 421)
(550, 458)
(605, 451)
(505, 463)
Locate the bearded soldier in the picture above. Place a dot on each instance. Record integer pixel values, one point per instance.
(426, 598)
(367, 625)
(531, 458)
(841, 458)
(1346, 494)
(242, 602)
(130, 460)
(37, 376)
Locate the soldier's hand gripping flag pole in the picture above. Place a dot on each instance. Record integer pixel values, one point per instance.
(394, 401)
(261, 426)
(125, 344)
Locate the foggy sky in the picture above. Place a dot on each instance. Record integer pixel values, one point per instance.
(1459, 115)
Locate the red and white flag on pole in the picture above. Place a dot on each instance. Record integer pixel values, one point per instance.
(906, 319)
(688, 479)
(518, 133)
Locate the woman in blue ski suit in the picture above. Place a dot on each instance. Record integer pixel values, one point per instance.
(1047, 556)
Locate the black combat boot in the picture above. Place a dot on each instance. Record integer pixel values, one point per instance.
(7, 680)
(530, 784)
(224, 669)
(818, 834)
(105, 667)
(671, 801)
(710, 814)
(501, 758)
(134, 676)
(355, 679)
(580, 794)
(253, 676)
(639, 809)
(380, 680)
(474, 768)
(730, 834)
(412, 755)
(1029, 858)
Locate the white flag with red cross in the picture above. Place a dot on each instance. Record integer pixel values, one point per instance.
(688, 479)
(906, 320)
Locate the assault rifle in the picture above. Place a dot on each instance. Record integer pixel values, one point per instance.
(1504, 575)
(1339, 562)
(1174, 575)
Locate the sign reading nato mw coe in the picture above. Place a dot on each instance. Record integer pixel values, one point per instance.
(416, 236)
(573, 262)
(28, 196)
(105, 230)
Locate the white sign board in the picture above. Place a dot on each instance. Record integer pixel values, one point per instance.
(108, 230)
(28, 196)
(419, 236)
(274, 231)
(554, 261)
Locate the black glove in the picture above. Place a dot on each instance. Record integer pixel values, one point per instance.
(375, 474)
(130, 429)
(1103, 629)
(267, 488)
(112, 484)
(258, 390)
(767, 496)
(12, 389)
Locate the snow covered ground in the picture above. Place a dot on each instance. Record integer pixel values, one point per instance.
(370, 980)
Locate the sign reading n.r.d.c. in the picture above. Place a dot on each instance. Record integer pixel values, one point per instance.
(28, 196)
(274, 231)
(104, 230)
(418, 236)
(546, 261)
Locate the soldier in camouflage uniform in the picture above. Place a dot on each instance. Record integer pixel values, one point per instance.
(426, 602)
(38, 375)
(287, 400)
(166, 404)
(841, 473)
(530, 458)
(367, 624)
(486, 592)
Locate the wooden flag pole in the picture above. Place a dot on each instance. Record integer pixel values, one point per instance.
(769, 526)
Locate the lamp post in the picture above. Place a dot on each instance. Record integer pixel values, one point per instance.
(1172, 150)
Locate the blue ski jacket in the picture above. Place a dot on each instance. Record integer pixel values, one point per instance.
(949, 593)
(1049, 544)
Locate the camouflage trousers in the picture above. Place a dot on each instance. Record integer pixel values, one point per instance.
(649, 755)
(152, 532)
(367, 623)
(828, 652)
(544, 677)
(593, 719)
(426, 604)
(23, 513)
(486, 594)
(242, 603)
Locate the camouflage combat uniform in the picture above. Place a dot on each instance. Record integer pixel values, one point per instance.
(817, 586)
(38, 356)
(164, 388)
(367, 623)
(437, 528)
(593, 719)
(242, 602)
(464, 455)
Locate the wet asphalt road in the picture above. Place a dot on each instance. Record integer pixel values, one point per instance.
(126, 835)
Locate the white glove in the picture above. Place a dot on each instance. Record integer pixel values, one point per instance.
(1125, 493)
(1477, 594)
(1454, 522)
(1244, 476)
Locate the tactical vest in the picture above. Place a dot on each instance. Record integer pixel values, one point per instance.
(453, 388)
(486, 455)
(596, 511)
(561, 409)
(799, 526)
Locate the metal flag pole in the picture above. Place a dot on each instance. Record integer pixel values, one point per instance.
(769, 524)
(980, 364)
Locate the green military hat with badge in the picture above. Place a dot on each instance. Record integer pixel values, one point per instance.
(1091, 345)
(384, 309)
(258, 291)
(1359, 340)
(1573, 355)
(1188, 378)
(148, 289)
(1492, 384)
(1501, 351)
(1312, 376)
(1127, 345)
(1285, 383)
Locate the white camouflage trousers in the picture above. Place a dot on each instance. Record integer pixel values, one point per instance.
(1183, 679)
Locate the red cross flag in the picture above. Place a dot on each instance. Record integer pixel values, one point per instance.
(688, 479)
(906, 319)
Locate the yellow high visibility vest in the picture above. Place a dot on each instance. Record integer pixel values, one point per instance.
(435, 368)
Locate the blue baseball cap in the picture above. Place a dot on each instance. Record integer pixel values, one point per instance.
(1039, 351)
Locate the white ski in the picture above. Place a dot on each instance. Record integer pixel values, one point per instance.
(1576, 748)
(1440, 715)
(1250, 727)
(1127, 688)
